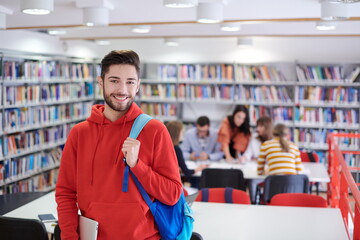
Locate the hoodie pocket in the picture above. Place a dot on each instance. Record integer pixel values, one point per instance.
(117, 219)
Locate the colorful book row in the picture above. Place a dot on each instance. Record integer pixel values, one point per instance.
(19, 118)
(44, 181)
(15, 95)
(27, 141)
(159, 109)
(330, 94)
(348, 117)
(11, 169)
(34, 70)
(277, 114)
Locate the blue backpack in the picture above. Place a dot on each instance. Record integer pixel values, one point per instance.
(173, 222)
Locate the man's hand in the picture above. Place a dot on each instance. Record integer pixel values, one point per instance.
(130, 150)
(204, 156)
(194, 156)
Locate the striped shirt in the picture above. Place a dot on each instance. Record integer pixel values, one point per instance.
(279, 162)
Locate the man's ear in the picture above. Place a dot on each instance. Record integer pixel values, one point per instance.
(100, 81)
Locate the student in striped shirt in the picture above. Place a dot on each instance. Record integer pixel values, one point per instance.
(280, 154)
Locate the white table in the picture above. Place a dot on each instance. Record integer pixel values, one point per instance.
(251, 222)
(43, 205)
(315, 171)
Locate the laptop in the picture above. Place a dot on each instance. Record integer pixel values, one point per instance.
(88, 228)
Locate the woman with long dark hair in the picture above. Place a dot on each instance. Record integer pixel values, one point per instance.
(234, 133)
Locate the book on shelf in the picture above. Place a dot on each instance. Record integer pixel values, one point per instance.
(353, 75)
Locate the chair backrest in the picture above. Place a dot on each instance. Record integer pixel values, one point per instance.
(57, 232)
(22, 229)
(309, 156)
(218, 195)
(275, 184)
(221, 178)
(298, 200)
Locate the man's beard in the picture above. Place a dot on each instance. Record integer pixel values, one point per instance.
(114, 107)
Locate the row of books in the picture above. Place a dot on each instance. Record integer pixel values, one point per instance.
(341, 117)
(35, 139)
(20, 118)
(262, 73)
(42, 182)
(159, 109)
(196, 72)
(15, 95)
(35, 70)
(330, 94)
(263, 94)
(159, 91)
(325, 73)
(312, 136)
(353, 160)
(11, 169)
(277, 114)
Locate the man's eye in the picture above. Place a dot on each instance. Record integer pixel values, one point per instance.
(131, 82)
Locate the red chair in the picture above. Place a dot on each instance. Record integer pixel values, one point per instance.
(298, 200)
(311, 157)
(223, 195)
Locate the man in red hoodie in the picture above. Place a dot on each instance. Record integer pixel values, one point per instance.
(92, 166)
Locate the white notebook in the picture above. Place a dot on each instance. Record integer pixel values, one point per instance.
(88, 228)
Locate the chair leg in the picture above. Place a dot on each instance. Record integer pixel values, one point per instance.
(317, 188)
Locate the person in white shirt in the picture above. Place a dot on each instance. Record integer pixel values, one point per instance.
(264, 130)
(264, 133)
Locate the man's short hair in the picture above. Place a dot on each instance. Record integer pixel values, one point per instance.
(120, 57)
(202, 121)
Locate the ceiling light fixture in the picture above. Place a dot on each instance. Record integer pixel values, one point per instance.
(172, 42)
(102, 42)
(347, 1)
(230, 27)
(325, 25)
(95, 16)
(141, 29)
(331, 10)
(244, 42)
(210, 12)
(37, 7)
(180, 3)
(56, 32)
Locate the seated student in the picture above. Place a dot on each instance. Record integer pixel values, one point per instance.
(234, 133)
(175, 129)
(200, 142)
(264, 133)
(280, 154)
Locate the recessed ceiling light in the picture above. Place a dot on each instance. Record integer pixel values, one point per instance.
(180, 3)
(210, 12)
(37, 7)
(56, 32)
(326, 25)
(102, 42)
(230, 27)
(141, 29)
(172, 42)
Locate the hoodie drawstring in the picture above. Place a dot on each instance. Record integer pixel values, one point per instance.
(96, 147)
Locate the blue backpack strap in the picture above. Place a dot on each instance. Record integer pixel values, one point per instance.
(228, 195)
(136, 128)
(204, 194)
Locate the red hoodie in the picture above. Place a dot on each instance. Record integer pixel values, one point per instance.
(91, 174)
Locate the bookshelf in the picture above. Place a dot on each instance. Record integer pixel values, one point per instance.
(42, 97)
(312, 99)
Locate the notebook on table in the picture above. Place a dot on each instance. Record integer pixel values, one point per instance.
(88, 228)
